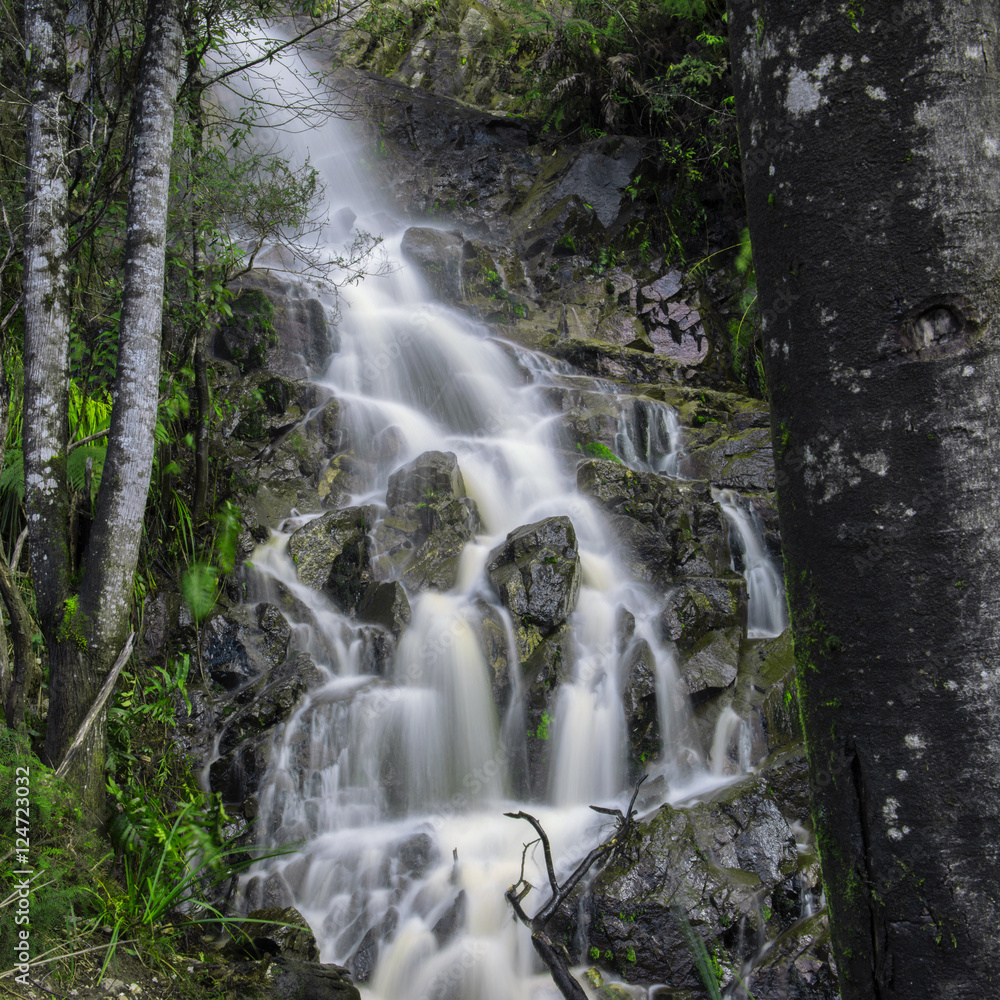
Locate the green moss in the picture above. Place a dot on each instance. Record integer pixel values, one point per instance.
(73, 626)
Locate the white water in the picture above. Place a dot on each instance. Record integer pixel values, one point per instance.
(395, 787)
(767, 615)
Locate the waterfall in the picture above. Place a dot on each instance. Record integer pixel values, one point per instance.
(394, 783)
(767, 615)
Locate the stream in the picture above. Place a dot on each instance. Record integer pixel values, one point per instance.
(393, 782)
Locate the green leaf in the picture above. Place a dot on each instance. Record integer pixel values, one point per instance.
(198, 585)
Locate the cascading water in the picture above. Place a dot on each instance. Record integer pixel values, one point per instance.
(767, 615)
(395, 781)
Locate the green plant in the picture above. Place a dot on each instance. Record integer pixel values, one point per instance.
(542, 730)
(598, 450)
(167, 861)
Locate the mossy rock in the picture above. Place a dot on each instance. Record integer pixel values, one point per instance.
(332, 554)
(536, 573)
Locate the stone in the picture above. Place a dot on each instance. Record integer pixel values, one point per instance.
(715, 861)
(438, 256)
(711, 663)
(536, 573)
(639, 702)
(296, 980)
(430, 519)
(698, 605)
(667, 528)
(331, 554)
(277, 931)
(274, 699)
(431, 477)
(385, 604)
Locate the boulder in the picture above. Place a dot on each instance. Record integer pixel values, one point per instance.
(331, 553)
(429, 521)
(296, 980)
(536, 573)
(639, 702)
(278, 931)
(385, 604)
(711, 664)
(236, 650)
(431, 477)
(717, 862)
(491, 631)
(279, 325)
(549, 664)
(742, 461)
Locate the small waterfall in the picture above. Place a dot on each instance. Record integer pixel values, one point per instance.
(767, 615)
(649, 437)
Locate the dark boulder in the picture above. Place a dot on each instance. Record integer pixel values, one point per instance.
(536, 572)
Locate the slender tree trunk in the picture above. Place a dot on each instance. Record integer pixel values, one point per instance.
(46, 333)
(871, 144)
(12, 681)
(112, 554)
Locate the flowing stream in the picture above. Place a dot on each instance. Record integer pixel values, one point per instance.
(395, 786)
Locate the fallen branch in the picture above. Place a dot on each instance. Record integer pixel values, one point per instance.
(95, 709)
(555, 955)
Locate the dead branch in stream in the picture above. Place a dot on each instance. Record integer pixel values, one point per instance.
(555, 955)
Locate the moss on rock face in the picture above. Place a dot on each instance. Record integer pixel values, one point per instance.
(332, 554)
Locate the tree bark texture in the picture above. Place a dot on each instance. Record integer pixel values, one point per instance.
(112, 553)
(871, 149)
(46, 308)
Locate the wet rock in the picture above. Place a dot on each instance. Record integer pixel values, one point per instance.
(295, 980)
(429, 521)
(491, 632)
(668, 529)
(798, 965)
(273, 701)
(639, 702)
(298, 340)
(715, 861)
(237, 774)
(711, 663)
(432, 476)
(697, 606)
(549, 664)
(416, 854)
(536, 572)
(438, 255)
(743, 461)
(332, 554)
(385, 604)
(365, 957)
(236, 650)
(766, 689)
(451, 921)
(285, 931)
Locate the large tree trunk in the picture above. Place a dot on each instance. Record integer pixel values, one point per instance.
(871, 144)
(46, 332)
(112, 553)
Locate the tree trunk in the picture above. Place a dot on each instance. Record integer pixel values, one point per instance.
(871, 144)
(114, 543)
(46, 327)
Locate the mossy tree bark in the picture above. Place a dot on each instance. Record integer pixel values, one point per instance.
(871, 143)
(46, 318)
